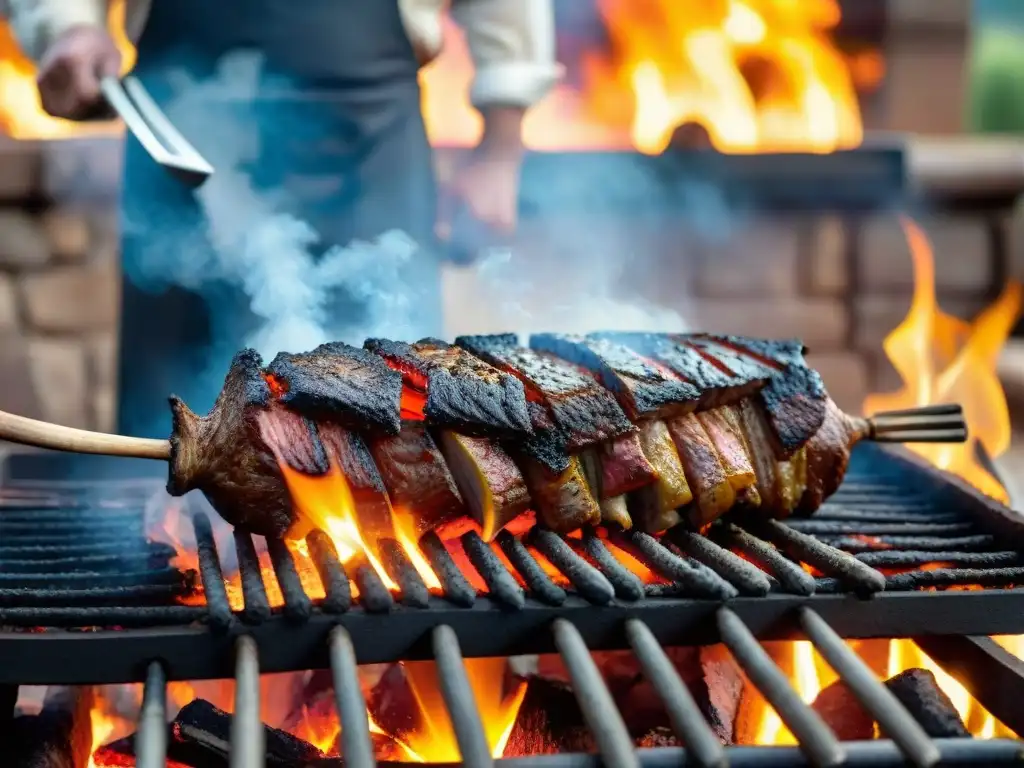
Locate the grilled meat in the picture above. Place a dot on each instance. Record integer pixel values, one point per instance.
(723, 427)
(623, 466)
(457, 391)
(653, 507)
(348, 385)
(754, 440)
(490, 482)
(793, 396)
(713, 494)
(418, 480)
(563, 500)
(584, 411)
(370, 502)
(644, 391)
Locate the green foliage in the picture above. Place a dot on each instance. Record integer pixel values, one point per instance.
(997, 81)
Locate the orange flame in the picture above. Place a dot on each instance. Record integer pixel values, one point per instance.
(434, 741)
(943, 359)
(758, 75)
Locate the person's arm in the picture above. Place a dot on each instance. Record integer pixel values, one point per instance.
(36, 24)
(512, 43)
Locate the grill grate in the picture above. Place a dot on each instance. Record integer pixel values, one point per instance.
(905, 509)
(890, 512)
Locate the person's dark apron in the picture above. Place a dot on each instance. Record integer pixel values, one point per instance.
(353, 162)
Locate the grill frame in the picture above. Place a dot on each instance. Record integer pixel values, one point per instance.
(195, 642)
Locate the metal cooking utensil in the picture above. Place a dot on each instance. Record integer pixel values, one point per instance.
(147, 122)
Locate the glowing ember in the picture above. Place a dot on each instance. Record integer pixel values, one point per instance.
(327, 501)
(942, 359)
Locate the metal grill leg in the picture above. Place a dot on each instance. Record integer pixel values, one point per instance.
(458, 697)
(817, 741)
(595, 700)
(151, 734)
(348, 697)
(248, 749)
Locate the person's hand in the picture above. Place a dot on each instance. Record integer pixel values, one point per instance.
(478, 206)
(71, 69)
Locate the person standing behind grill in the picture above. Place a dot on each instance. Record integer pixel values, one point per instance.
(350, 123)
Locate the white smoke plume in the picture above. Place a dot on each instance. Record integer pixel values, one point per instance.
(258, 247)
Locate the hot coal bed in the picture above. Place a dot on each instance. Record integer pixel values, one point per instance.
(900, 551)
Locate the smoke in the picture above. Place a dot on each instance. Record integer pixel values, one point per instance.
(300, 294)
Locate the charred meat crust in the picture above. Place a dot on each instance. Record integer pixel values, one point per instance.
(712, 385)
(642, 390)
(584, 411)
(342, 383)
(793, 395)
(417, 478)
(462, 393)
(224, 454)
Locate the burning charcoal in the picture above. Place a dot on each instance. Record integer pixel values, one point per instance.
(347, 385)
(201, 735)
(60, 736)
(417, 478)
(658, 737)
(842, 713)
(458, 391)
(919, 692)
(549, 722)
(643, 389)
(392, 702)
(583, 410)
(490, 482)
(720, 690)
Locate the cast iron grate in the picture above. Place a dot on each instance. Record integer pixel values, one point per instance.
(892, 513)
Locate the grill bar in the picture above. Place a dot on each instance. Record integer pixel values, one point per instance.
(256, 604)
(458, 698)
(790, 575)
(541, 586)
(348, 698)
(501, 584)
(217, 605)
(817, 742)
(892, 717)
(151, 735)
(687, 720)
(337, 589)
(297, 605)
(588, 580)
(454, 584)
(248, 737)
(595, 700)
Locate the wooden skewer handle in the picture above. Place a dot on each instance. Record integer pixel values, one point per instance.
(42, 434)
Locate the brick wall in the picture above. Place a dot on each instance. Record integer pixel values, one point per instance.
(841, 285)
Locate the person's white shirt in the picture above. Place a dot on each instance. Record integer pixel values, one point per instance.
(512, 42)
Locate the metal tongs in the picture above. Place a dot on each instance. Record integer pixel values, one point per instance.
(147, 122)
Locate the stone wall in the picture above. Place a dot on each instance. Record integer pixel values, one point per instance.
(59, 290)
